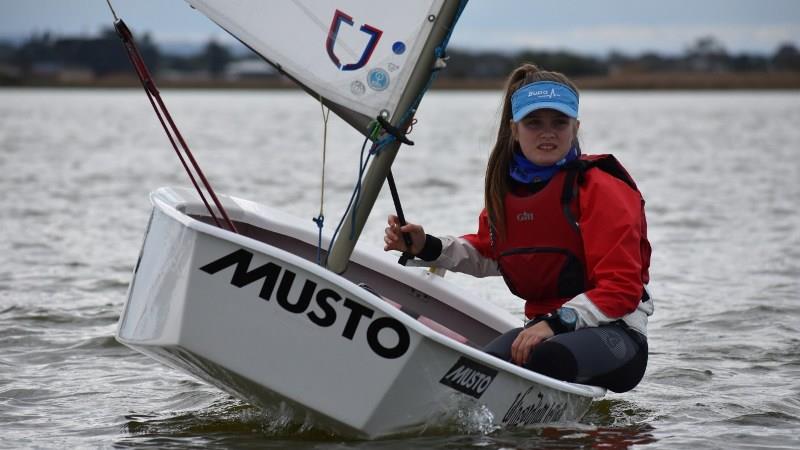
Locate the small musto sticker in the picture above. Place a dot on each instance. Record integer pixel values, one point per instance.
(469, 377)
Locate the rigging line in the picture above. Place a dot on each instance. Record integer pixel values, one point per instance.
(357, 191)
(320, 219)
(352, 207)
(148, 88)
(376, 148)
(362, 164)
(352, 197)
(114, 13)
(401, 218)
(181, 158)
(325, 115)
(152, 92)
(196, 166)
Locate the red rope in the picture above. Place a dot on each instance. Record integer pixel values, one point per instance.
(162, 112)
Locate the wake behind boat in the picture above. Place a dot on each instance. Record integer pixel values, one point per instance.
(254, 315)
(236, 294)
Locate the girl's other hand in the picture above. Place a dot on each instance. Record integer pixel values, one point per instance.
(527, 339)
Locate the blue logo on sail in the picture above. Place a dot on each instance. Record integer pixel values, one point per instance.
(399, 48)
(374, 37)
(378, 79)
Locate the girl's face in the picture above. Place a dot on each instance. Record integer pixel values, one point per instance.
(545, 135)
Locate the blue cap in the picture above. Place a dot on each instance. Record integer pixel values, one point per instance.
(544, 95)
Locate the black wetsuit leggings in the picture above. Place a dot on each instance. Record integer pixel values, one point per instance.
(611, 356)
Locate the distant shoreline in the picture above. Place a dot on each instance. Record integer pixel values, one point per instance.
(628, 81)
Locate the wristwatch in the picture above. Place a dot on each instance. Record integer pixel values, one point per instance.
(563, 320)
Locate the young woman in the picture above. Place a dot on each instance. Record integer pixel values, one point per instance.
(567, 232)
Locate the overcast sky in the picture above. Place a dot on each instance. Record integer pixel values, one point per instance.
(589, 26)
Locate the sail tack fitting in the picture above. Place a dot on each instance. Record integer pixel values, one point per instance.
(394, 131)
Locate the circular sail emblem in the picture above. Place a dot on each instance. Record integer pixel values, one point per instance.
(378, 79)
(357, 88)
(399, 48)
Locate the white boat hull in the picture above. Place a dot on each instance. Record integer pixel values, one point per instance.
(272, 327)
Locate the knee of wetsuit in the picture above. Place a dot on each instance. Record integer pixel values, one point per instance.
(554, 360)
(500, 347)
(627, 377)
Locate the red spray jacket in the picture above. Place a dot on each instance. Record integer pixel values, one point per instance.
(585, 232)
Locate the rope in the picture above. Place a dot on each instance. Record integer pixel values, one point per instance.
(401, 218)
(114, 13)
(354, 194)
(165, 118)
(320, 219)
(374, 150)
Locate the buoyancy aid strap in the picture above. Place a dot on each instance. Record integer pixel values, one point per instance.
(610, 165)
(606, 163)
(568, 191)
(575, 172)
(574, 176)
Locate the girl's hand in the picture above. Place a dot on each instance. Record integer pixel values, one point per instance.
(527, 339)
(393, 236)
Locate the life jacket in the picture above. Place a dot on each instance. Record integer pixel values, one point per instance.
(542, 256)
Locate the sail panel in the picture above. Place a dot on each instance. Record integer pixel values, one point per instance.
(355, 53)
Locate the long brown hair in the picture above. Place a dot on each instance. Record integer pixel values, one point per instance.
(497, 182)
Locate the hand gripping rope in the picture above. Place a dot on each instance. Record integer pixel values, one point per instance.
(400, 136)
(399, 208)
(169, 125)
(379, 142)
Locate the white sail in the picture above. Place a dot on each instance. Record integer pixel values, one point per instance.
(356, 54)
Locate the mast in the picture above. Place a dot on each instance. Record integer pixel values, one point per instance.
(305, 39)
(382, 162)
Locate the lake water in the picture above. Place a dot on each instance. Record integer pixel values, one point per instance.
(720, 172)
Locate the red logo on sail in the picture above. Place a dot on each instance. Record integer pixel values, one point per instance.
(374, 37)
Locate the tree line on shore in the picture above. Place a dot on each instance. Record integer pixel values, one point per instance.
(46, 57)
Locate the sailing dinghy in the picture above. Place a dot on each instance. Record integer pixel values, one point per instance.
(360, 345)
